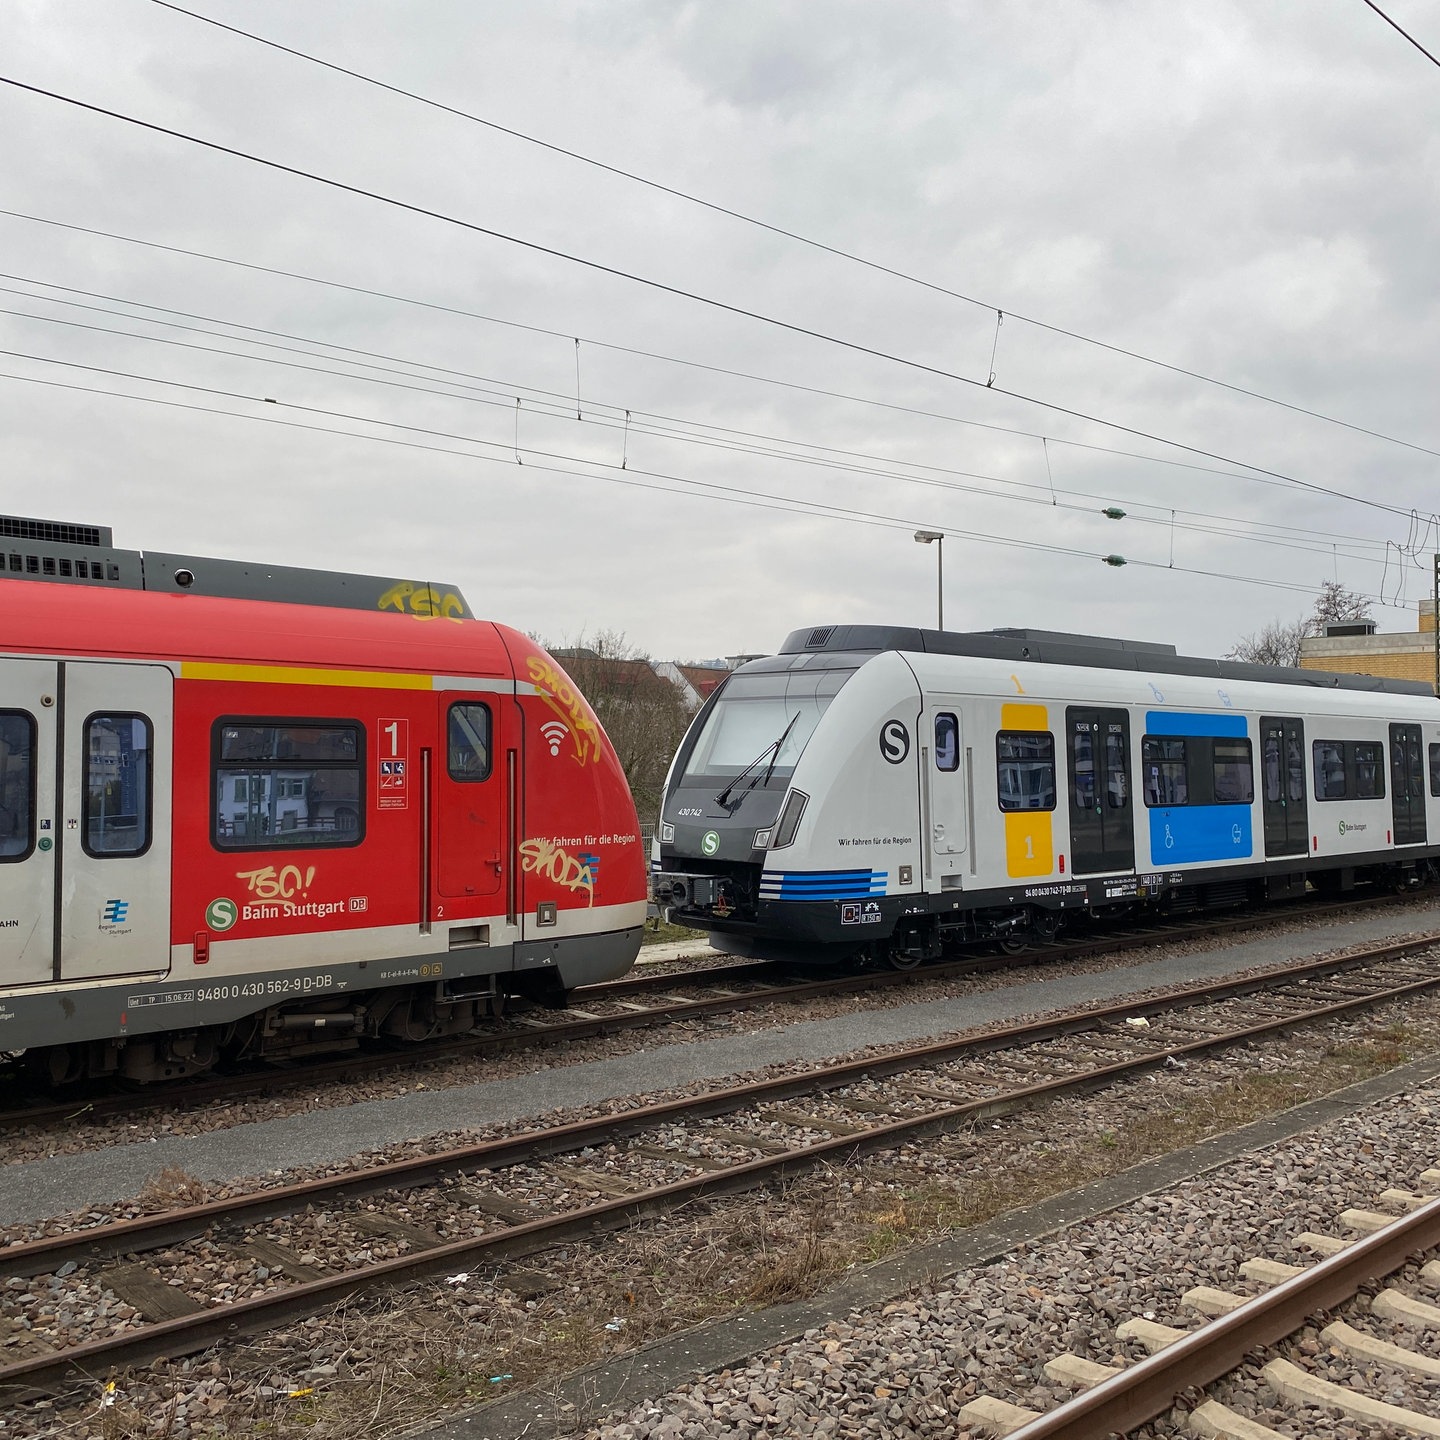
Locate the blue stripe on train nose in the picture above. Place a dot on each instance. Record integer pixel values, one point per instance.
(821, 884)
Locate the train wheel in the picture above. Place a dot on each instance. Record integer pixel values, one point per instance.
(1014, 944)
(903, 960)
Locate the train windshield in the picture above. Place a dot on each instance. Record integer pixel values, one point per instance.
(753, 713)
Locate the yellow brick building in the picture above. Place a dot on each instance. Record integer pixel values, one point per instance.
(1404, 656)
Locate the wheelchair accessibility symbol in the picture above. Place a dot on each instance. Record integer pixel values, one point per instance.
(1169, 839)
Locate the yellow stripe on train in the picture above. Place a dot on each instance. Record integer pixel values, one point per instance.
(304, 675)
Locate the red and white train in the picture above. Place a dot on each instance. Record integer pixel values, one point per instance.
(262, 810)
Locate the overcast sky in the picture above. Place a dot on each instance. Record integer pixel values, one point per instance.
(1244, 191)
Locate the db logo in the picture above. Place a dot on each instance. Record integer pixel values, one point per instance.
(894, 741)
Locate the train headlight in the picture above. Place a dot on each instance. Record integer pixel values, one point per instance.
(667, 834)
(762, 840)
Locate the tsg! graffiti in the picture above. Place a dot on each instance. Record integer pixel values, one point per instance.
(281, 887)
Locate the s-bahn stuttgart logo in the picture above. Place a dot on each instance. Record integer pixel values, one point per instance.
(894, 741)
(709, 842)
(221, 914)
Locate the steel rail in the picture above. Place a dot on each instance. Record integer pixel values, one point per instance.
(352, 1066)
(191, 1333)
(1143, 1391)
(149, 1232)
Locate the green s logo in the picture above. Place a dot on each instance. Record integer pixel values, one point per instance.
(221, 914)
(709, 843)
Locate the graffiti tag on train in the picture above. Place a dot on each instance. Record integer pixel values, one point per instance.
(424, 602)
(570, 872)
(563, 698)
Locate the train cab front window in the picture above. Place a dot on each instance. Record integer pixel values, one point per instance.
(1025, 769)
(116, 817)
(755, 713)
(17, 784)
(287, 784)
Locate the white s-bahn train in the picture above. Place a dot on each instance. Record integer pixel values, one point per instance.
(885, 790)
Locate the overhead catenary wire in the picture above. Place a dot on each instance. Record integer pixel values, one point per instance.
(674, 290)
(1247, 473)
(501, 389)
(839, 252)
(828, 457)
(1371, 3)
(634, 477)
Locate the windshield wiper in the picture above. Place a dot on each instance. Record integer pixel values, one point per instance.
(770, 752)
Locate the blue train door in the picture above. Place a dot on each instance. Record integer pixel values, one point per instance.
(1102, 822)
(1407, 784)
(1282, 786)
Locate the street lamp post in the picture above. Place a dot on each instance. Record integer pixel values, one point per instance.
(924, 537)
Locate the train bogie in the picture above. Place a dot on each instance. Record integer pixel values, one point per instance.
(936, 787)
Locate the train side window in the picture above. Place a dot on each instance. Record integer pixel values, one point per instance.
(1435, 769)
(1329, 770)
(468, 746)
(287, 784)
(1270, 768)
(1025, 769)
(947, 742)
(1233, 772)
(1369, 770)
(116, 810)
(17, 784)
(1167, 771)
(1117, 770)
(1082, 765)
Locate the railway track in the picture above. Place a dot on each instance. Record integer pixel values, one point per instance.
(636, 1001)
(491, 1204)
(1119, 1399)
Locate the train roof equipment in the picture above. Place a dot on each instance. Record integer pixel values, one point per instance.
(65, 553)
(1053, 647)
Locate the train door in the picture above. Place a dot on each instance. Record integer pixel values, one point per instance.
(946, 790)
(1102, 821)
(469, 786)
(27, 822)
(112, 841)
(1407, 784)
(1282, 786)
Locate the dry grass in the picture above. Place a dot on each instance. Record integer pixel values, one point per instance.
(172, 1189)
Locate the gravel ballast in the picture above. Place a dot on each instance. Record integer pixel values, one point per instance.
(906, 1367)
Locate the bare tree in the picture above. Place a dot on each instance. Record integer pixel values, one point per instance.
(1278, 643)
(642, 712)
(1337, 605)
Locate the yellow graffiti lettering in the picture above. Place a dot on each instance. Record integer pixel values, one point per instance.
(273, 884)
(567, 702)
(545, 857)
(424, 602)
